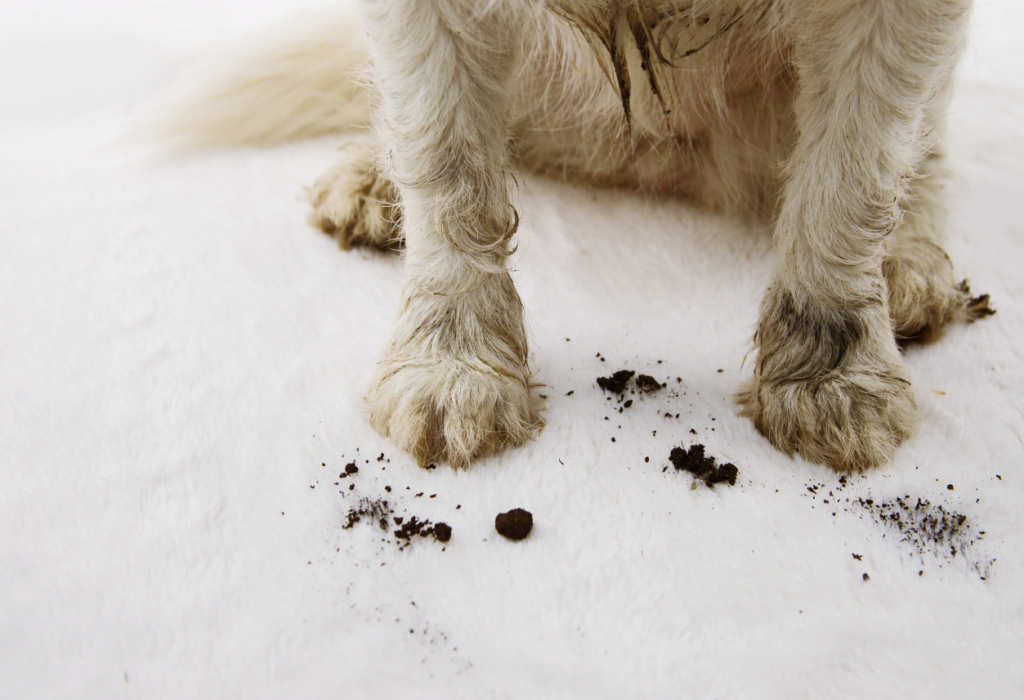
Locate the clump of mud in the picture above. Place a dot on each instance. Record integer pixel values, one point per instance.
(516, 524)
(616, 383)
(703, 467)
(647, 384)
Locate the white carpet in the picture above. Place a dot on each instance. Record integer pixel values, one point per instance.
(180, 353)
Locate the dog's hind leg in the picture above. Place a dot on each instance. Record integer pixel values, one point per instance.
(829, 381)
(924, 295)
(453, 382)
(354, 202)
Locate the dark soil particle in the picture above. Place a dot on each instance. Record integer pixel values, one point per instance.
(703, 467)
(351, 468)
(647, 383)
(516, 524)
(617, 382)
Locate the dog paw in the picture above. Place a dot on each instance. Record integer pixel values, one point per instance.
(830, 385)
(357, 205)
(850, 421)
(450, 411)
(453, 384)
(923, 294)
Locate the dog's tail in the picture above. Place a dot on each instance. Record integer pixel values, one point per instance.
(300, 79)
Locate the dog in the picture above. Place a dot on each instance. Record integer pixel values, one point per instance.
(825, 115)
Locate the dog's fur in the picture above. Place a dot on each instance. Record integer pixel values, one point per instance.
(825, 114)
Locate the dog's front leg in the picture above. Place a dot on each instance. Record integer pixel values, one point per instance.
(453, 381)
(829, 381)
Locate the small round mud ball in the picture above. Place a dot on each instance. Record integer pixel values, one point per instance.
(442, 532)
(515, 524)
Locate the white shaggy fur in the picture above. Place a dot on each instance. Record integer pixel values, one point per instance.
(826, 113)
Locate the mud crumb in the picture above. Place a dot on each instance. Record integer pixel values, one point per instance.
(703, 467)
(617, 382)
(516, 524)
(647, 383)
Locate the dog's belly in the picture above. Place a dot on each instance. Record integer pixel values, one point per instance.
(717, 135)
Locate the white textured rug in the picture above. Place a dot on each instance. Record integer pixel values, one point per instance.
(182, 362)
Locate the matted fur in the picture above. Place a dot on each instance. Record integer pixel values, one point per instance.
(823, 113)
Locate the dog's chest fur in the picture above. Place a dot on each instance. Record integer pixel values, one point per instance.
(707, 88)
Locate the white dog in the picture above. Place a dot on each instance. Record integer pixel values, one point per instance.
(823, 113)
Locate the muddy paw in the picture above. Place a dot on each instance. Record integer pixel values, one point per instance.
(829, 383)
(923, 294)
(452, 412)
(849, 421)
(355, 204)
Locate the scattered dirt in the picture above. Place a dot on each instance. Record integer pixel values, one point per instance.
(375, 510)
(930, 529)
(703, 467)
(414, 526)
(516, 524)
